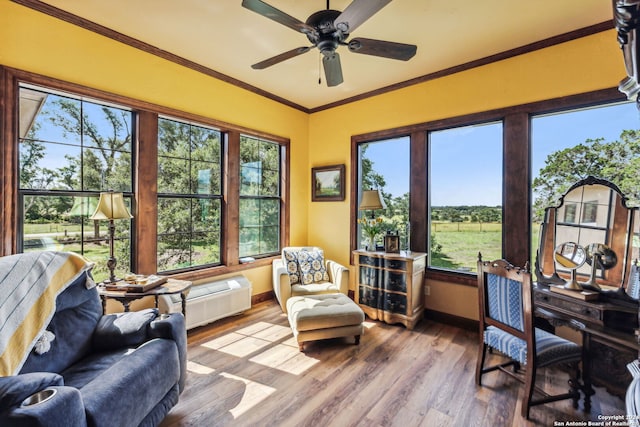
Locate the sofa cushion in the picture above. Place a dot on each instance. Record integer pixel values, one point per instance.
(131, 387)
(311, 266)
(123, 329)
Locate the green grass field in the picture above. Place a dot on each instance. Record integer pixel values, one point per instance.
(461, 243)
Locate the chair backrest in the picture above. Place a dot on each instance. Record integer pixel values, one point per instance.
(505, 298)
(78, 310)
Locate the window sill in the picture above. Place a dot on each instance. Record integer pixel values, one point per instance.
(223, 269)
(465, 279)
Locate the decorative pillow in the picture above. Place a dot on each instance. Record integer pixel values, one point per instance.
(311, 265)
(291, 263)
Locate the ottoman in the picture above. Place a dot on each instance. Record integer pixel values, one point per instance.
(322, 316)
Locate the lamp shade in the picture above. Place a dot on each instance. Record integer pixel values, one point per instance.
(371, 200)
(111, 206)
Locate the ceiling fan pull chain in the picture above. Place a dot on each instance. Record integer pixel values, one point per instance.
(319, 70)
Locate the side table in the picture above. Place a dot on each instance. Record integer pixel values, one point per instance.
(172, 286)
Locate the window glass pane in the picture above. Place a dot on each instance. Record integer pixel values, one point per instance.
(259, 197)
(172, 178)
(62, 223)
(259, 226)
(465, 196)
(603, 141)
(69, 150)
(46, 117)
(49, 166)
(189, 201)
(385, 166)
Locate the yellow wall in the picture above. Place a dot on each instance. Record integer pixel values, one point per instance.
(37, 43)
(579, 66)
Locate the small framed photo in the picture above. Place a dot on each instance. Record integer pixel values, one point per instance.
(327, 183)
(392, 243)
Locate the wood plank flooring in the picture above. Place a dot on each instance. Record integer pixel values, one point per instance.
(247, 371)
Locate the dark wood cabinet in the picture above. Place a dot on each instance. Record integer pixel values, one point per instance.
(390, 286)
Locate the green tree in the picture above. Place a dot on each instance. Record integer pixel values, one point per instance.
(617, 161)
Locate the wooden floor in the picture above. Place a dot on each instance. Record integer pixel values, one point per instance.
(247, 371)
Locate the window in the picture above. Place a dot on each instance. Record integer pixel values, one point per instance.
(189, 195)
(570, 213)
(602, 141)
(260, 209)
(465, 192)
(384, 165)
(71, 148)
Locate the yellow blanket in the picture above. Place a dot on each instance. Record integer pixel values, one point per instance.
(29, 286)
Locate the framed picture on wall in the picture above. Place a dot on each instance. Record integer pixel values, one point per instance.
(327, 183)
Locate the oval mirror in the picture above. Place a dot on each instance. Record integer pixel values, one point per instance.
(570, 256)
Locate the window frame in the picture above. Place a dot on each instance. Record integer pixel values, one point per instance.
(191, 196)
(144, 194)
(261, 197)
(516, 120)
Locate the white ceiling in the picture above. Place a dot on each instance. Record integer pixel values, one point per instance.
(224, 36)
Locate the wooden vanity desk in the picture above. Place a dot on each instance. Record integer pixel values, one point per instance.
(590, 239)
(608, 326)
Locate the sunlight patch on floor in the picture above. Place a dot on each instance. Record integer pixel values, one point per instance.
(197, 368)
(254, 394)
(245, 346)
(223, 341)
(285, 358)
(368, 325)
(248, 340)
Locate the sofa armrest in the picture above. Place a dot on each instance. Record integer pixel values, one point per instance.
(14, 389)
(339, 275)
(173, 327)
(123, 329)
(63, 407)
(281, 284)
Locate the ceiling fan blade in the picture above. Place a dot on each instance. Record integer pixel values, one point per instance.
(358, 12)
(277, 15)
(279, 58)
(332, 69)
(391, 50)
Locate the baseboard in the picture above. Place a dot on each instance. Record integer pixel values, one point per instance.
(452, 319)
(265, 296)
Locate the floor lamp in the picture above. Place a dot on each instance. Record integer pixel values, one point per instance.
(111, 207)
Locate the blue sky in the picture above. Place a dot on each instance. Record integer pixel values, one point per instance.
(476, 152)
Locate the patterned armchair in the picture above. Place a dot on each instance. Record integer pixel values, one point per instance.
(507, 325)
(302, 270)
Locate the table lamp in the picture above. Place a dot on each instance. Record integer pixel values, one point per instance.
(372, 201)
(111, 207)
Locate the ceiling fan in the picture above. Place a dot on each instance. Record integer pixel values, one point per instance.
(328, 29)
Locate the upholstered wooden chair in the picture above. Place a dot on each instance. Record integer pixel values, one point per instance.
(507, 325)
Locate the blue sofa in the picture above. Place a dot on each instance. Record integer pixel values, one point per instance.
(124, 369)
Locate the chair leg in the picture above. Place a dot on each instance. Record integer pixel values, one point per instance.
(482, 351)
(529, 385)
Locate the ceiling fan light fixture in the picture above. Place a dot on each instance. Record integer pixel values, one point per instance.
(327, 30)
